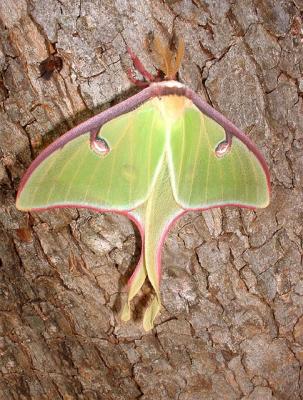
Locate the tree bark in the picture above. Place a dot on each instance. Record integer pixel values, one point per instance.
(232, 320)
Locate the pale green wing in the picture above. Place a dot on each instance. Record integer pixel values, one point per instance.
(201, 178)
(77, 175)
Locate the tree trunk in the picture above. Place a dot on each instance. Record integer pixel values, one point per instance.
(231, 326)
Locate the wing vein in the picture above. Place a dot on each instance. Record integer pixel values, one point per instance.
(80, 164)
(66, 163)
(208, 166)
(52, 162)
(113, 164)
(243, 171)
(197, 151)
(149, 151)
(182, 153)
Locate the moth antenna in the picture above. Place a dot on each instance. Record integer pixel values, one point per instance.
(179, 55)
(170, 64)
(165, 55)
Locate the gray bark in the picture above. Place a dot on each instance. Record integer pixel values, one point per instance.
(232, 320)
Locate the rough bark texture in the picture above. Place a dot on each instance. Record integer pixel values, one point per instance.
(232, 322)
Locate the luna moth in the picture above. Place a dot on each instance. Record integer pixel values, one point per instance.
(152, 157)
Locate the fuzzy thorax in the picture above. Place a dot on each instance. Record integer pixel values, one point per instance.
(172, 107)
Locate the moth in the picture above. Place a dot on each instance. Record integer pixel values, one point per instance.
(152, 157)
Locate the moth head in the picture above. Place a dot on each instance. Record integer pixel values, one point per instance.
(168, 57)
